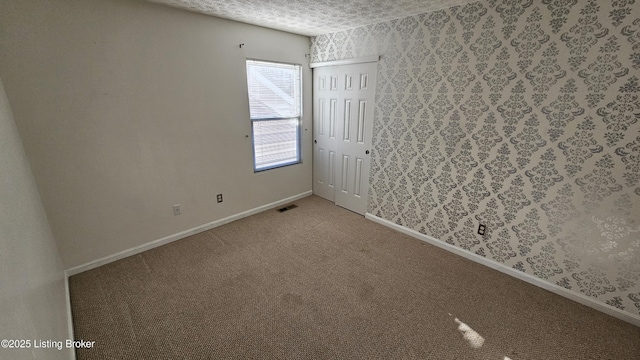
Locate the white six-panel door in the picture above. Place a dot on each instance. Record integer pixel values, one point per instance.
(325, 113)
(343, 121)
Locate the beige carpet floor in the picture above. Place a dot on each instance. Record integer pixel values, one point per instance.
(320, 282)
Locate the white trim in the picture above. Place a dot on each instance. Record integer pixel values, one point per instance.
(69, 314)
(582, 299)
(167, 239)
(366, 59)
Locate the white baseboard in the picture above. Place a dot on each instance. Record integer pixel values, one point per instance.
(167, 239)
(582, 299)
(69, 314)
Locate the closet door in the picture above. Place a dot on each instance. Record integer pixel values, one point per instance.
(325, 113)
(343, 123)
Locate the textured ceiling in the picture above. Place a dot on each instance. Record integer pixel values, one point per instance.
(312, 17)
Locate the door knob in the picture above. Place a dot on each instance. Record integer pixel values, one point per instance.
(367, 152)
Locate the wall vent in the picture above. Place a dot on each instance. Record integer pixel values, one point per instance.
(288, 207)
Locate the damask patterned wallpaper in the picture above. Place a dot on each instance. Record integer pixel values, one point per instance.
(521, 115)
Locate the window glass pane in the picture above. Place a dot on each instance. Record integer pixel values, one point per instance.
(275, 143)
(274, 90)
(275, 104)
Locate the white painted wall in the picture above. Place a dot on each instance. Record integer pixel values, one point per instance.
(32, 293)
(128, 107)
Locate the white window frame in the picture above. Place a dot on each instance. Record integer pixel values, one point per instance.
(297, 119)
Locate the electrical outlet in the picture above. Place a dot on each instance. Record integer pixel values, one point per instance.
(219, 198)
(176, 210)
(481, 229)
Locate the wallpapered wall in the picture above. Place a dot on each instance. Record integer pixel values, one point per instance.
(521, 115)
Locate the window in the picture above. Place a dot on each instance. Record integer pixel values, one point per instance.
(275, 107)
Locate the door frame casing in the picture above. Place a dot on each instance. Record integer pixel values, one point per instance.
(362, 60)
